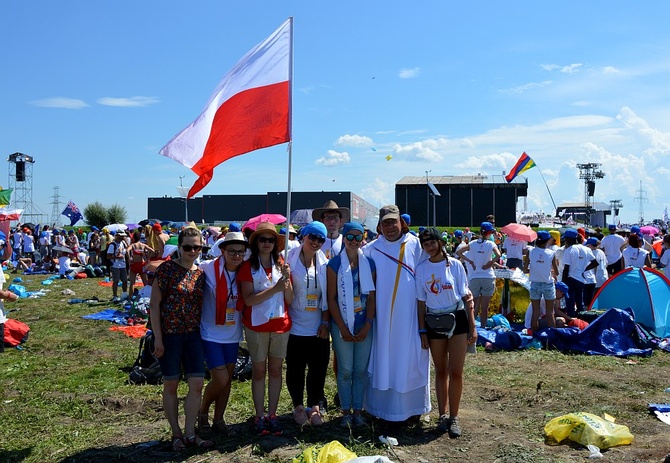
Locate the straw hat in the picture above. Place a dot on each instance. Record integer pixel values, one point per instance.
(331, 206)
(269, 229)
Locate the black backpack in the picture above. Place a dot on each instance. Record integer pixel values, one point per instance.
(146, 369)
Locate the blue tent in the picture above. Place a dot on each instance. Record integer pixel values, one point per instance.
(646, 291)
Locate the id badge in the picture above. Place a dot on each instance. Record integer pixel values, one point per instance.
(357, 304)
(312, 301)
(230, 316)
(278, 312)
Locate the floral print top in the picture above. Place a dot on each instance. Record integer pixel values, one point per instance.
(182, 293)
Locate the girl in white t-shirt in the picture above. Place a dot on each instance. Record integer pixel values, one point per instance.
(543, 269)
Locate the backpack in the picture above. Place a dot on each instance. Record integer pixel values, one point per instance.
(146, 369)
(15, 332)
(242, 370)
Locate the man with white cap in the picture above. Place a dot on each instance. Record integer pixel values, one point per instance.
(333, 217)
(399, 367)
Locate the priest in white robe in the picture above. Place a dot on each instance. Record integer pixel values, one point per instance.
(398, 388)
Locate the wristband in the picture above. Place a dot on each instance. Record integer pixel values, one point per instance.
(369, 320)
(422, 331)
(325, 323)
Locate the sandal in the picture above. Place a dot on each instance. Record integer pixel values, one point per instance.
(299, 415)
(203, 422)
(178, 443)
(220, 428)
(315, 416)
(195, 441)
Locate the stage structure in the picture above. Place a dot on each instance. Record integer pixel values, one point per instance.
(459, 201)
(589, 173)
(56, 208)
(20, 179)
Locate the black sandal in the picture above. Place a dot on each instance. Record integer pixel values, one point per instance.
(178, 443)
(195, 441)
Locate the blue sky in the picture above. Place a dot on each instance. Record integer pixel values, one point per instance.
(92, 90)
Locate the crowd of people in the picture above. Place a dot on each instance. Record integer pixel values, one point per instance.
(388, 299)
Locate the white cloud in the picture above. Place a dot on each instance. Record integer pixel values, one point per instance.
(660, 141)
(132, 102)
(334, 158)
(60, 102)
(549, 67)
(378, 192)
(409, 73)
(581, 104)
(571, 68)
(496, 162)
(418, 151)
(354, 140)
(610, 70)
(525, 87)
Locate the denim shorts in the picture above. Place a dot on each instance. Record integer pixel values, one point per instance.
(539, 289)
(219, 354)
(182, 351)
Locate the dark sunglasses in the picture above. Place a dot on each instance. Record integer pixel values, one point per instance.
(189, 248)
(316, 238)
(262, 239)
(351, 237)
(234, 253)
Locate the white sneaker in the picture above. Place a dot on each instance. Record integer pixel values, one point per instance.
(124, 296)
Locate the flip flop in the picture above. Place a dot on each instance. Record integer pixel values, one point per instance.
(315, 416)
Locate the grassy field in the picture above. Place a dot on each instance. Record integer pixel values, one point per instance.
(65, 397)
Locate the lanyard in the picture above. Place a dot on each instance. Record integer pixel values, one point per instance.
(228, 278)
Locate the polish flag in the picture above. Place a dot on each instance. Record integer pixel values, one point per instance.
(249, 110)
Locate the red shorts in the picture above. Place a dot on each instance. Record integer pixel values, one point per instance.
(136, 267)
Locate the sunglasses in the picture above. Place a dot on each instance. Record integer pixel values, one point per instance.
(351, 237)
(189, 248)
(262, 239)
(233, 253)
(316, 238)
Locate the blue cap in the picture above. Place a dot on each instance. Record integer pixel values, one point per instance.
(421, 229)
(234, 227)
(543, 235)
(611, 226)
(570, 233)
(352, 226)
(282, 231)
(592, 242)
(94, 228)
(406, 218)
(487, 227)
(635, 229)
(562, 287)
(458, 233)
(314, 228)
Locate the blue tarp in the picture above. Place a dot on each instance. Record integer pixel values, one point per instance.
(609, 334)
(112, 315)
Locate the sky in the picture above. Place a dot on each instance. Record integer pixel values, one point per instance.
(93, 90)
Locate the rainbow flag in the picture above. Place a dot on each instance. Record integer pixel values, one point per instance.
(522, 165)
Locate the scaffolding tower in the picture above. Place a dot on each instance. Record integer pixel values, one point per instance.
(20, 179)
(55, 209)
(589, 173)
(641, 198)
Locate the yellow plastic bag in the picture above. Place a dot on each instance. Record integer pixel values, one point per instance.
(332, 452)
(587, 429)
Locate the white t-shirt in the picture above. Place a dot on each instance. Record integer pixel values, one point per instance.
(611, 244)
(634, 257)
(578, 257)
(481, 253)
(231, 331)
(514, 248)
(665, 261)
(539, 261)
(63, 265)
(115, 250)
(529, 313)
(439, 285)
(17, 240)
(28, 243)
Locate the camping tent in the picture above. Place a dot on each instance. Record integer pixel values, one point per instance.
(646, 291)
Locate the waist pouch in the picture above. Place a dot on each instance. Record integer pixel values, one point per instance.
(443, 322)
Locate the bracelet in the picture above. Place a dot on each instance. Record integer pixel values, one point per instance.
(422, 331)
(369, 320)
(325, 323)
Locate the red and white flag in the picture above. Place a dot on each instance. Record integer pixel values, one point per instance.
(249, 110)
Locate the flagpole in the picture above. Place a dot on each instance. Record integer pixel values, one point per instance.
(545, 184)
(290, 135)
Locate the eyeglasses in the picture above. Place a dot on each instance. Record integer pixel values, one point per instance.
(262, 239)
(352, 237)
(189, 248)
(233, 253)
(316, 238)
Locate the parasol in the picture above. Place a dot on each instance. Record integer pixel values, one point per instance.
(649, 230)
(274, 219)
(519, 232)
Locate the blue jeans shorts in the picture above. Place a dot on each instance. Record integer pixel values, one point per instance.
(182, 351)
(218, 354)
(539, 289)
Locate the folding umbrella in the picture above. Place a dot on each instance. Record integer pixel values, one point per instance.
(519, 232)
(274, 219)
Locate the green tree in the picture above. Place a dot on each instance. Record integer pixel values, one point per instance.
(116, 214)
(96, 214)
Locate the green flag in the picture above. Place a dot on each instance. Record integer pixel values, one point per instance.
(5, 196)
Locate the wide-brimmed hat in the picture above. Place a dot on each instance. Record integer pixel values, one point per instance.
(267, 228)
(232, 238)
(331, 206)
(121, 233)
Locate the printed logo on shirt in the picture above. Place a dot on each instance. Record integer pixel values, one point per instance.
(435, 285)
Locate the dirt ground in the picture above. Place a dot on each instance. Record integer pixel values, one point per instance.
(508, 399)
